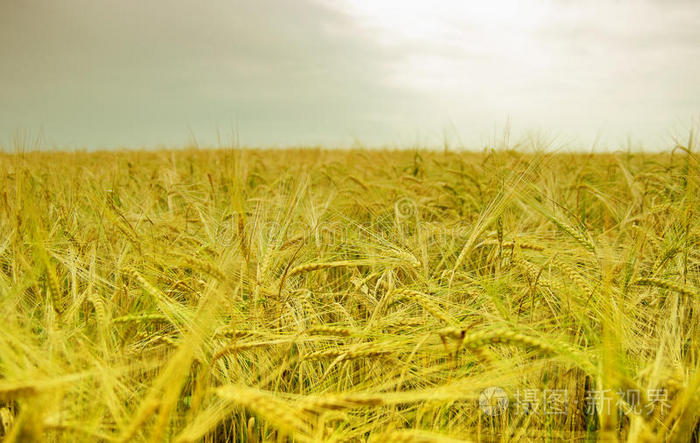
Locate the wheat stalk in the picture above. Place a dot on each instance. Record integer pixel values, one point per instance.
(147, 409)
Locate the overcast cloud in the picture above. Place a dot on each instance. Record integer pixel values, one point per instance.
(137, 73)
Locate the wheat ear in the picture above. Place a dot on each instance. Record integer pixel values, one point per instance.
(363, 350)
(308, 267)
(413, 436)
(575, 234)
(330, 330)
(336, 402)
(139, 318)
(665, 284)
(206, 268)
(277, 412)
(426, 303)
(480, 339)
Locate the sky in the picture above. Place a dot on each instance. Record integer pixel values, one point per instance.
(140, 74)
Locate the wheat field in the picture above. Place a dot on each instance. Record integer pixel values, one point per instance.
(349, 295)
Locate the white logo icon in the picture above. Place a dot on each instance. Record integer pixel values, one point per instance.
(493, 401)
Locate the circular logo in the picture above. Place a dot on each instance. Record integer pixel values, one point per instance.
(225, 233)
(493, 401)
(405, 208)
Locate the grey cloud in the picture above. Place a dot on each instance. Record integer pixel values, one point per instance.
(139, 73)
